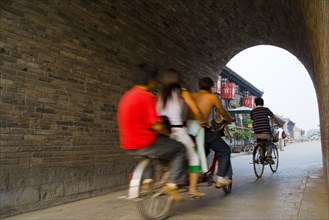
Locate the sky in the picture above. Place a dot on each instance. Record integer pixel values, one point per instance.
(287, 86)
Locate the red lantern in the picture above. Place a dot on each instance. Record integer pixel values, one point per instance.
(248, 101)
(229, 91)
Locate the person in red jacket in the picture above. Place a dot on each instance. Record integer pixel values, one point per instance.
(142, 132)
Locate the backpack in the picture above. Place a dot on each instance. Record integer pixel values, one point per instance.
(284, 135)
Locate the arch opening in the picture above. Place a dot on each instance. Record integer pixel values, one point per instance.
(286, 86)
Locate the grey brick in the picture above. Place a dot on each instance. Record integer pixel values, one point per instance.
(64, 68)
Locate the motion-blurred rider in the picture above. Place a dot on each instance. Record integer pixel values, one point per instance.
(140, 128)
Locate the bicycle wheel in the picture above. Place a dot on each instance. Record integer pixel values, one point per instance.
(246, 149)
(257, 160)
(275, 158)
(152, 202)
(228, 189)
(251, 148)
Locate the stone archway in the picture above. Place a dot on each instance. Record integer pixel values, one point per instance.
(65, 65)
(286, 85)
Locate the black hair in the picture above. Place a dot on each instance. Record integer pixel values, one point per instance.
(259, 101)
(146, 72)
(206, 83)
(171, 81)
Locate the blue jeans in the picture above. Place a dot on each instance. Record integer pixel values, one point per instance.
(174, 151)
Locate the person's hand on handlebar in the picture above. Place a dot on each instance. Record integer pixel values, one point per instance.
(232, 120)
(160, 129)
(203, 123)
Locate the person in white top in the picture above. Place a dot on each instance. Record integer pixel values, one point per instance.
(170, 102)
(280, 141)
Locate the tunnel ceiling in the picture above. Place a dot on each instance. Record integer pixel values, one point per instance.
(195, 36)
(201, 36)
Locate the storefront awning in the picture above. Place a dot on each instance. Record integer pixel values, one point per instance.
(240, 110)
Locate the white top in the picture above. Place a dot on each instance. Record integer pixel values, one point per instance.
(280, 130)
(173, 109)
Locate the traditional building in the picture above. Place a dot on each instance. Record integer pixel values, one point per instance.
(235, 91)
(289, 127)
(238, 95)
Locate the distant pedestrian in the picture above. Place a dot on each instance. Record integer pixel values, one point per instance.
(280, 141)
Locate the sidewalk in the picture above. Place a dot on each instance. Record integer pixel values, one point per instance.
(296, 191)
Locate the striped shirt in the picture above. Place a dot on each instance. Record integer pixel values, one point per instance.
(261, 120)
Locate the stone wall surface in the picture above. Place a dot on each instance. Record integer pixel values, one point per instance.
(65, 64)
(318, 32)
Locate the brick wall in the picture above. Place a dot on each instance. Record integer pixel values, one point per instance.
(65, 64)
(318, 31)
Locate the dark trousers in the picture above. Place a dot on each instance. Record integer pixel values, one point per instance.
(169, 149)
(216, 143)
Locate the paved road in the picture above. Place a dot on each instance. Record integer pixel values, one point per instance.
(296, 191)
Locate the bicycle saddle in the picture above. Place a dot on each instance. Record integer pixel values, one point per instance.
(261, 140)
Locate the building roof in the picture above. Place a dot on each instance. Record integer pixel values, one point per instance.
(290, 122)
(244, 84)
(241, 109)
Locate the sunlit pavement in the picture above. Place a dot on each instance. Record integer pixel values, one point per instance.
(296, 191)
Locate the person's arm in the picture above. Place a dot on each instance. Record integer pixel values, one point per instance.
(153, 119)
(275, 120)
(228, 134)
(159, 128)
(221, 111)
(186, 96)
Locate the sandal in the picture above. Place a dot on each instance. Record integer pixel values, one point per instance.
(195, 193)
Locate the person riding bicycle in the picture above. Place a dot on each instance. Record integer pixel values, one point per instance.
(170, 102)
(206, 101)
(261, 125)
(143, 133)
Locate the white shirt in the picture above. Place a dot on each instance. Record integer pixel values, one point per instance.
(280, 130)
(173, 109)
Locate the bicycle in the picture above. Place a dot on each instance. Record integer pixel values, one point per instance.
(153, 203)
(249, 148)
(259, 161)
